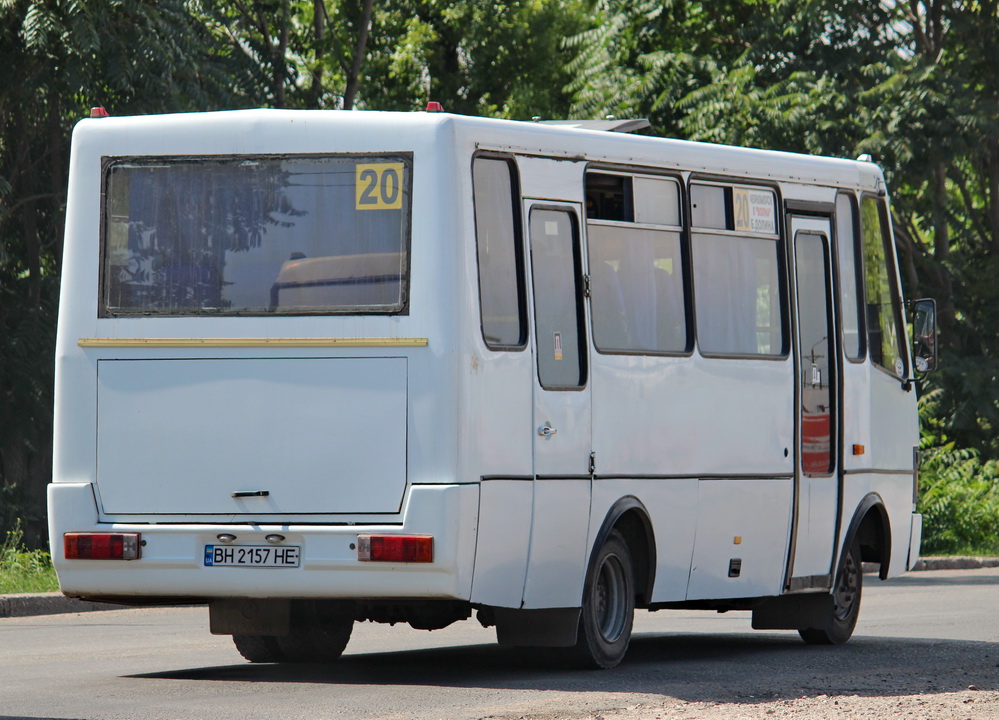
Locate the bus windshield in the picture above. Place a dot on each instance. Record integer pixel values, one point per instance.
(255, 235)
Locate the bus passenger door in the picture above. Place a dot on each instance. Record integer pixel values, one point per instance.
(562, 419)
(817, 487)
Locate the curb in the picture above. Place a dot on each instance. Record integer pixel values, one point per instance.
(55, 603)
(955, 563)
(48, 604)
(942, 563)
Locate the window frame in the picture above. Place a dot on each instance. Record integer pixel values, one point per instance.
(682, 230)
(109, 161)
(583, 339)
(857, 274)
(833, 366)
(891, 268)
(520, 253)
(782, 263)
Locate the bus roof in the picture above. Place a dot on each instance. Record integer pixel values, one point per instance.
(265, 131)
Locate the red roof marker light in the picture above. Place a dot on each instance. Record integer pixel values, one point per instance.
(433, 106)
(99, 112)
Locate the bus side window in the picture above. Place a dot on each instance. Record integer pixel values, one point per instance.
(883, 303)
(635, 264)
(850, 287)
(736, 261)
(500, 254)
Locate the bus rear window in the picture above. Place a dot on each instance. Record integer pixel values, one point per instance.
(255, 235)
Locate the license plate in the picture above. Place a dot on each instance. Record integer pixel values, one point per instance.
(259, 556)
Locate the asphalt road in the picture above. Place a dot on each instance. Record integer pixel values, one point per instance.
(929, 632)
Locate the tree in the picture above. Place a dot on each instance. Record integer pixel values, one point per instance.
(477, 56)
(144, 56)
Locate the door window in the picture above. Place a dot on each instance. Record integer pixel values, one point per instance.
(557, 299)
(817, 367)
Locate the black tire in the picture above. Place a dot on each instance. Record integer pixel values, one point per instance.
(258, 648)
(319, 632)
(608, 609)
(846, 602)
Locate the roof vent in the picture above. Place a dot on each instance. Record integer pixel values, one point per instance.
(611, 124)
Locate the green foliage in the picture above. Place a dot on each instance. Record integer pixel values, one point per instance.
(61, 57)
(479, 57)
(23, 570)
(959, 492)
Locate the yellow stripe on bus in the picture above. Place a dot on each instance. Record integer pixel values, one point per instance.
(251, 342)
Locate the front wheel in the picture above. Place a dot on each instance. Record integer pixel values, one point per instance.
(846, 602)
(608, 610)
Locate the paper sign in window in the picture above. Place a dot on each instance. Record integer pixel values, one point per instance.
(378, 186)
(753, 211)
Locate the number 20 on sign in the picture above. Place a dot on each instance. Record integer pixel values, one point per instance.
(378, 186)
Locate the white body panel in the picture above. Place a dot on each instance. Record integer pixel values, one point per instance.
(439, 438)
(745, 520)
(299, 429)
(746, 428)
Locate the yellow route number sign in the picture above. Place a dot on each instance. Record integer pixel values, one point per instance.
(378, 186)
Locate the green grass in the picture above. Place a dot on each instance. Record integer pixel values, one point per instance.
(23, 570)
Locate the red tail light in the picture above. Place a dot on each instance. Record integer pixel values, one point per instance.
(395, 548)
(102, 546)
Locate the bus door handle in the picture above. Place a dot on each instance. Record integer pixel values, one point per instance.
(546, 430)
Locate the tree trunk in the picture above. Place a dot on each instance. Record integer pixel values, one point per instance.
(280, 54)
(353, 79)
(316, 90)
(992, 177)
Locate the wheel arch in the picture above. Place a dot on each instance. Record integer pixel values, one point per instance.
(870, 526)
(630, 517)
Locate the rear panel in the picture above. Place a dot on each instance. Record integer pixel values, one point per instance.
(269, 437)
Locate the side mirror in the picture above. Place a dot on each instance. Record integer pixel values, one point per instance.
(924, 335)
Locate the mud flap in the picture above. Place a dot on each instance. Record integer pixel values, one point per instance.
(795, 612)
(249, 616)
(549, 627)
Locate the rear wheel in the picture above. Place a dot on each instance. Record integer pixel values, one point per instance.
(319, 632)
(608, 610)
(846, 602)
(258, 648)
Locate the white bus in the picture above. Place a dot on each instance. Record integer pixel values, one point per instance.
(318, 367)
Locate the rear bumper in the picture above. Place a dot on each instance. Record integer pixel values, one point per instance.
(172, 562)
